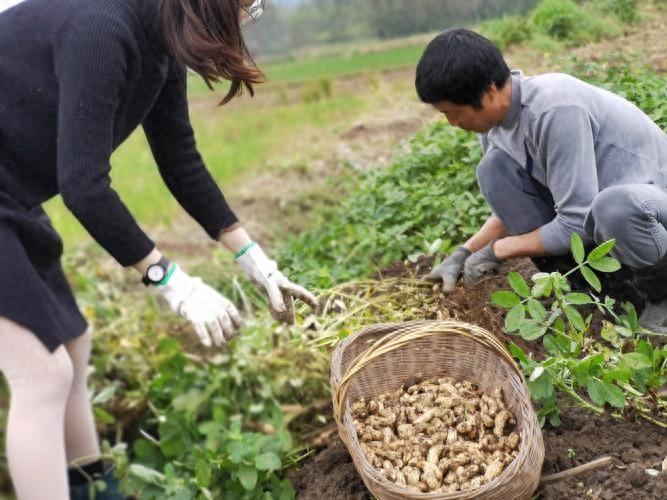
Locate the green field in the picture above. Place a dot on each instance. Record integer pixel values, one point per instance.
(330, 66)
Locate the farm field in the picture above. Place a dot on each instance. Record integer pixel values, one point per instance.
(357, 190)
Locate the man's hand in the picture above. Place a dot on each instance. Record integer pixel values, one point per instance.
(479, 263)
(280, 291)
(450, 269)
(211, 314)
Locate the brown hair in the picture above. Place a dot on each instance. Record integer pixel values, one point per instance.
(205, 36)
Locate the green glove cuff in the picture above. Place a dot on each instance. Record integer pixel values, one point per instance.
(170, 273)
(243, 251)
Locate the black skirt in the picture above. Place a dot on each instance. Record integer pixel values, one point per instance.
(33, 289)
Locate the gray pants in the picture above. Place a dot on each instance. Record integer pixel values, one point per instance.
(634, 214)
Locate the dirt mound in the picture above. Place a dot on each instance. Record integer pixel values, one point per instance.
(472, 304)
(330, 474)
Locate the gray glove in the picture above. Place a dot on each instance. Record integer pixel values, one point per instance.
(450, 269)
(480, 263)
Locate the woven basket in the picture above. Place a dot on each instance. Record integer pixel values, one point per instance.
(383, 357)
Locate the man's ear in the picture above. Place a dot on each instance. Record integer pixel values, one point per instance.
(492, 91)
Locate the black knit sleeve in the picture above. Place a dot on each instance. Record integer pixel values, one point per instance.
(172, 141)
(91, 58)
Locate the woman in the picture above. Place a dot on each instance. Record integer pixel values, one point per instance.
(76, 78)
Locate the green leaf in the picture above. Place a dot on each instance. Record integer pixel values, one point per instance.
(605, 265)
(518, 284)
(578, 298)
(518, 353)
(618, 374)
(631, 315)
(537, 373)
(556, 344)
(247, 477)
(267, 461)
(514, 318)
(505, 299)
(609, 333)
(614, 395)
(537, 310)
(574, 318)
(531, 329)
(559, 325)
(601, 250)
(645, 348)
(203, 473)
(577, 248)
(592, 279)
(543, 387)
(637, 360)
(624, 332)
(542, 288)
(146, 474)
(596, 391)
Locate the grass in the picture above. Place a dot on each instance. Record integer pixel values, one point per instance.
(329, 66)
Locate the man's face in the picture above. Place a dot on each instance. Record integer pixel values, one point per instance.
(468, 118)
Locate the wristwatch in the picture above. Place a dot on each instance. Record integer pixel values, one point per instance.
(156, 272)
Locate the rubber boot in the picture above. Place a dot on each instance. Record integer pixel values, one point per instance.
(85, 484)
(653, 282)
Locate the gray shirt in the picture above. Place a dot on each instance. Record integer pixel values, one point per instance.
(582, 139)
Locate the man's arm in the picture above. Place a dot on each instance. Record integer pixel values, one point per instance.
(493, 229)
(525, 245)
(566, 146)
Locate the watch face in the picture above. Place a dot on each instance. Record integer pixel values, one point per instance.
(155, 273)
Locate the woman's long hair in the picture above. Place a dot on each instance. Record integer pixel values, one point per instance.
(205, 35)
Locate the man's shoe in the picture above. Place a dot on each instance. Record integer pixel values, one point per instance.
(652, 282)
(654, 316)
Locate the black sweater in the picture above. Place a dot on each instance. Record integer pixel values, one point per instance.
(76, 78)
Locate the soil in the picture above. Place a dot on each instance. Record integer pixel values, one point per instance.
(633, 446)
(582, 437)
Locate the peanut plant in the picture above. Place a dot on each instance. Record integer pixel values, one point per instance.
(598, 354)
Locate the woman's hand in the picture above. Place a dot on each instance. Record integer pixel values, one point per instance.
(280, 291)
(211, 314)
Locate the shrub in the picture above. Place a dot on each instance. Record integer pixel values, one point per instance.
(625, 10)
(557, 18)
(507, 31)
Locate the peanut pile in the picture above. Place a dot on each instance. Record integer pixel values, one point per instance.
(437, 436)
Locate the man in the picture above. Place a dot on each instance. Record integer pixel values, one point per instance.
(560, 156)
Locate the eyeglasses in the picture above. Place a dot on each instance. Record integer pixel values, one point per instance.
(252, 12)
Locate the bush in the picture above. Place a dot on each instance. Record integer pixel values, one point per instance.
(507, 31)
(557, 18)
(566, 21)
(625, 10)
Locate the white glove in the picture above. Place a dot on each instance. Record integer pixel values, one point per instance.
(210, 313)
(278, 288)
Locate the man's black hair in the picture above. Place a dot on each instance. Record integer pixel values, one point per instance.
(458, 66)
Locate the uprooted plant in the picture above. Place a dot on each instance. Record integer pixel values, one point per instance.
(617, 368)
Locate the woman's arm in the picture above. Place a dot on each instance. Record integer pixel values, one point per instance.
(90, 61)
(172, 142)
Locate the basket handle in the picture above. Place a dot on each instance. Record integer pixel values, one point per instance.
(404, 333)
